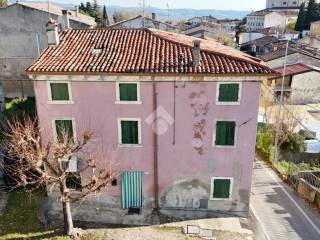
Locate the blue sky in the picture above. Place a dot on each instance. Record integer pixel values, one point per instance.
(197, 4)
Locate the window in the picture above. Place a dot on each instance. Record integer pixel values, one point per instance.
(129, 131)
(225, 133)
(128, 93)
(221, 188)
(73, 181)
(60, 93)
(62, 128)
(228, 93)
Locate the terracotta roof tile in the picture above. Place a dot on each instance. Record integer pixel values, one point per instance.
(140, 51)
(297, 68)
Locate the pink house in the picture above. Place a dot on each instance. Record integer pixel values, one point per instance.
(175, 116)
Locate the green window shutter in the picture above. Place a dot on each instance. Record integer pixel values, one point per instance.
(129, 132)
(229, 92)
(128, 91)
(59, 91)
(64, 127)
(225, 133)
(221, 188)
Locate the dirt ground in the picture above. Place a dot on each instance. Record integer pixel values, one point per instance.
(155, 233)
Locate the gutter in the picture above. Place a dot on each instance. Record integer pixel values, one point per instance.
(155, 146)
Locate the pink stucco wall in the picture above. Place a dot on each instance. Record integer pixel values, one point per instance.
(182, 161)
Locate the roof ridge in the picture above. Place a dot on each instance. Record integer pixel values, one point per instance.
(208, 50)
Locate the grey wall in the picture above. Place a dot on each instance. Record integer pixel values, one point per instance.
(19, 26)
(294, 58)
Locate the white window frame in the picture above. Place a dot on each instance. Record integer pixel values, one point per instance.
(50, 101)
(118, 101)
(120, 144)
(214, 133)
(228, 103)
(54, 129)
(212, 188)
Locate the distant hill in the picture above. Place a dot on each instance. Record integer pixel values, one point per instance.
(175, 14)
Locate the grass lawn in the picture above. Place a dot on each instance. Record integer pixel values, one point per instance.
(20, 221)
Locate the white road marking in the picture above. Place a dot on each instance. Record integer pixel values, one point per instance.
(260, 222)
(294, 201)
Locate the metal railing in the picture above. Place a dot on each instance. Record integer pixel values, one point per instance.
(311, 178)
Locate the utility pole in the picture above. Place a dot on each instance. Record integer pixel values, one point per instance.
(143, 13)
(168, 12)
(278, 124)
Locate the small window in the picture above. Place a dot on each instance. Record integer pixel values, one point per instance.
(59, 92)
(229, 92)
(73, 181)
(221, 188)
(225, 133)
(128, 93)
(64, 128)
(130, 132)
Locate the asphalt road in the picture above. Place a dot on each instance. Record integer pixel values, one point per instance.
(279, 211)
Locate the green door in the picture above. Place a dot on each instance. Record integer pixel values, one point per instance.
(131, 186)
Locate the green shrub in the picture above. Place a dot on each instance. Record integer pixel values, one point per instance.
(265, 140)
(18, 107)
(293, 144)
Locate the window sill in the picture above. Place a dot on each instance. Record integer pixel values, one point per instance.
(128, 102)
(224, 146)
(220, 199)
(130, 145)
(60, 102)
(228, 103)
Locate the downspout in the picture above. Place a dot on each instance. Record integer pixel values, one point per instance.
(155, 146)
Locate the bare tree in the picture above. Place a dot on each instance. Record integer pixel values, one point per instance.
(39, 163)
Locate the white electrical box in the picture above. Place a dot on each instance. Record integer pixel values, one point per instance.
(71, 164)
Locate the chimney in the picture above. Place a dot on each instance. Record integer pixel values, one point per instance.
(77, 11)
(65, 17)
(153, 16)
(196, 52)
(52, 32)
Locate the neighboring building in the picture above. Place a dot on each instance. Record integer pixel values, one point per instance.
(204, 31)
(265, 19)
(176, 114)
(271, 31)
(315, 29)
(285, 4)
(301, 84)
(259, 46)
(146, 22)
(296, 54)
(23, 37)
(201, 20)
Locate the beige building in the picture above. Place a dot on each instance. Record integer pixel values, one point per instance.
(301, 84)
(265, 19)
(315, 29)
(287, 4)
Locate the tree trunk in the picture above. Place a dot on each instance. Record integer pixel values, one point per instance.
(67, 216)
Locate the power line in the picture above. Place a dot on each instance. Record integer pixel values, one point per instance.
(292, 114)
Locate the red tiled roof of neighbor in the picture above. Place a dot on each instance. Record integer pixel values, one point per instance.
(295, 69)
(140, 51)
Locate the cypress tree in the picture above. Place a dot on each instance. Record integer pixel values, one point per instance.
(301, 18)
(88, 8)
(105, 16)
(312, 13)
